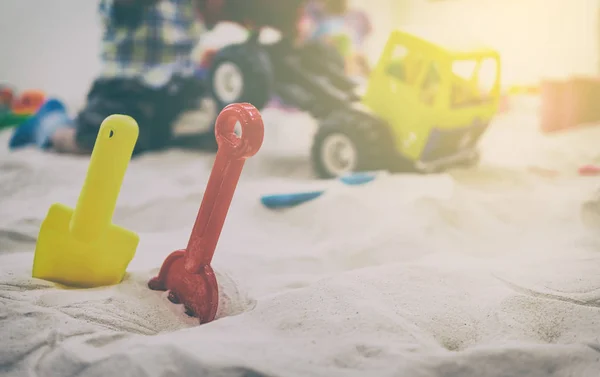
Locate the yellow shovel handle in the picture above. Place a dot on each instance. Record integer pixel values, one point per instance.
(111, 155)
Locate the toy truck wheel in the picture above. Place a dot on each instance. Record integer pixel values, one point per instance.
(345, 144)
(241, 73)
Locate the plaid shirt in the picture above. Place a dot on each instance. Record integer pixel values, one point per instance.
(154, 50)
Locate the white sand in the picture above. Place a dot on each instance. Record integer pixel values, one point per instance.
(486, 272)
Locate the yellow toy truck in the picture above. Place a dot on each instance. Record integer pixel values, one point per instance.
(424, 109)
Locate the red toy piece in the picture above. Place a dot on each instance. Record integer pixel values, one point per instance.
(28, 103)
(6, 96)
(187, 273)
(589, 170)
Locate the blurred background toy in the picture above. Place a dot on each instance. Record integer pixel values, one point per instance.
(569, 103)
(6, 97)
(424, 110)
(7, 118)
(589, 170)
(14, 109)
(279, 201)
(28, 102)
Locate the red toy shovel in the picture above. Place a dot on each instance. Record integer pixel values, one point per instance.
(187, 273)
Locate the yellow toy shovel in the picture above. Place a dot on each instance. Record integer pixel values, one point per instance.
(82, 247)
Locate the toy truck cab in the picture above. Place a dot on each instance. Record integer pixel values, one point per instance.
(424, 108)
(437, 102)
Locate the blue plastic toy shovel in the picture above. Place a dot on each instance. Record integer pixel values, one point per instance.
(279, 201)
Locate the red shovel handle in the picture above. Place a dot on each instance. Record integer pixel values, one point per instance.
(252, 131)
(233, 152)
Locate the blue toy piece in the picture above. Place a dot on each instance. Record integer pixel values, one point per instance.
(357, 178)
(39, 128)
(279, 201)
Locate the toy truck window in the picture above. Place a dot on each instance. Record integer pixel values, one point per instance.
(396, 67)
(463, 72)
(396, 70)
(471, 81)
(431, 84)
(405, 65)
(487, 76)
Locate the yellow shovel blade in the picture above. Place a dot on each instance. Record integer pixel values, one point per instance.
(62, 258)
(82, 247)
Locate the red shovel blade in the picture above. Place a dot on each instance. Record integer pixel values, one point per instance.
(187, 274)
(198, 292)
